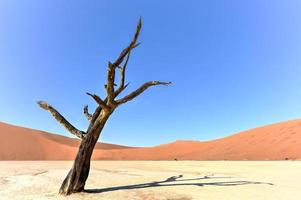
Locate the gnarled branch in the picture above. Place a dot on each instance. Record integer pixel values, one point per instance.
(126, 54)
(132, 45)
(101, 103)
(87, 114)
(94, 117)
(119, 90)
(140, 90)
(122, 76)
(61, 119)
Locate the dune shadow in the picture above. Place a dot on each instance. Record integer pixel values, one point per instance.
(174, 181)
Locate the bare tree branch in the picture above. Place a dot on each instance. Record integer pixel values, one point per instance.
(61, 119)
(110, 82)
(122, 76)
(126, 53)
(120, 89)
(94, 117)
(77, 176)
(87, 114)
(140, 90)
(101, 103)
(112, 67)
(131, 46)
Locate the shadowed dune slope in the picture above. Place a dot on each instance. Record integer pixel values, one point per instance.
(272, 142)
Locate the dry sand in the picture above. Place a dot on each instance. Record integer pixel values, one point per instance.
(152, 180)
(278, 141)
(19, 143)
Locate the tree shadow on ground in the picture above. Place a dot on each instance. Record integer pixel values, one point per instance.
(174, 181)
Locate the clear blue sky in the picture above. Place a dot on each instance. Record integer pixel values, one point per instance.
(235, 65)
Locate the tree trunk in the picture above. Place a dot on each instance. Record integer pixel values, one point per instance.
(78, 174)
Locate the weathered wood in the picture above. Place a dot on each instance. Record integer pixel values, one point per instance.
(122, 86)
(140, 90)
(94, 117)
(78, 174)
(87, 114)
(101, 103)
(110, 82)
(126, 53)
(132, 45)
(61, 119)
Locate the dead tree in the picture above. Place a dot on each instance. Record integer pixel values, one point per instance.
(77, 176)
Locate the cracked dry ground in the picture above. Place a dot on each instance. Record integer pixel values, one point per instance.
(156, 180)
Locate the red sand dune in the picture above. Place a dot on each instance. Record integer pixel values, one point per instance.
(18, 143)
(273, 142)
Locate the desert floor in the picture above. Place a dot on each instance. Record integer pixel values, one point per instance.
(164, 180)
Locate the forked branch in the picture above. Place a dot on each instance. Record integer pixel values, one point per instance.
(132, 45)
(77, 176)
(94, 117)
(101, 103)
(122, 76)
(126, 54)
(140, 90)
(61, 119)
(87, 114)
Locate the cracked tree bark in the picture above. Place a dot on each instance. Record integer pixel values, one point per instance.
(78, 174)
